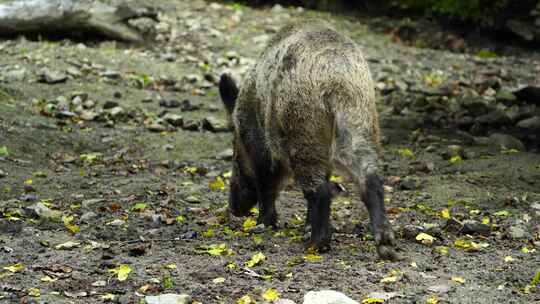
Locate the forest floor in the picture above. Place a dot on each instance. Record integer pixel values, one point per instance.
(115, 155)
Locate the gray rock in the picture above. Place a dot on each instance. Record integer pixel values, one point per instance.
(15, 75)
(494, 118)
(73, 72)
(531, 124)
(213, 124)
(65, 114)
(173, 119)
(475, 227)
(327, 297)
(169, 103)
(226, 154)
(518, 232)
(110, 74)
(117, 222)
(90, 202)
(88, 115)
(441, 288)
(385, 296)
(193, 199)
(86, 217)
(156, 127)
(39, 210)
(168, 298)
(499, 141)
(117, 113)
(2, 173)
(191, 125)
(505, 96)
(535, 206)
(52, 77)
(109, 104)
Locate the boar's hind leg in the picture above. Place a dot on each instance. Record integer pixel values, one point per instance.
(361, 165)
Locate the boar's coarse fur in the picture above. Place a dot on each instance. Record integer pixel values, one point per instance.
(306, 108)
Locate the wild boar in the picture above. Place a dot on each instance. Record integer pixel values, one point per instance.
(305, 109)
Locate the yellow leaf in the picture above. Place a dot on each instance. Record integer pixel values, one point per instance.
(227, 174)
(390, 279)
(474, 211)
(249, 223)
(218, 280)
(406, 152)
(445, 213)
(67, 223)
(456, 159)
(209, 233)
(245, 300)
(28, 182)
(231, 265)
(255, 259)
(485, 220)
(441, 250)
(180, 218)
(502, 213)
(15, 267)
(257, 239)
(508, 259)
(254, 211)
(191, 170)
(216, 249)
(336, 179)
(459, 280)
(372, 301)
(432, 300)
(527, 250)
(217, 184)
(121, 272)
(171, 266)
(33, 292)
(271, 295)
(48, 279)
(108, 297)
(469, 245)
(311, 257)
(425, 238)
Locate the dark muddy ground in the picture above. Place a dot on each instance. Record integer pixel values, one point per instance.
(144, 193)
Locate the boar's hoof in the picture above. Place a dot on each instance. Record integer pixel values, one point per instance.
(386, 241)
(318, 246)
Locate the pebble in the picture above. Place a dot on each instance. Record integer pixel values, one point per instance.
(173, 119)
(475, 227)
(2, 173)
(327, 297)
(532, 124)
(226, 154)
(156, 127)
(86, 217)
(168, 298)
(517, 232)
(52, 77)
(442, 288)
(500, 141)
(213, 124)
(169, 103)
(109, 104)
(39, 210)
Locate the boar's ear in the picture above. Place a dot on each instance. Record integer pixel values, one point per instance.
(228, 92)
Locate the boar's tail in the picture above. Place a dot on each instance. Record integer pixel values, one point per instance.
(228, 92)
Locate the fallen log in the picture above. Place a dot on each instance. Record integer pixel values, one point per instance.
(68, 17)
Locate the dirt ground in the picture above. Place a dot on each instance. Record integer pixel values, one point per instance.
(129, 189)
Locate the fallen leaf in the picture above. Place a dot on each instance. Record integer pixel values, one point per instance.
(406, 152)
(456, 159)
(218, 280)
(372, 301)
(445, 213)
(33, 292)
(171, 266)
(255, 259)
(249, 223)
(508, 259)
(48, 279)
(432, 300)
(425, 238)
(389, 279)
(245, 300)
(311, 257)
(67, 223)
(139, 206)
(459, 280)
(67, 245)
(502, 213)
(14, 268)
(336, 179)
(4, 151)
(271, 295)
(121, 272)
(108, 297)
(217, 184)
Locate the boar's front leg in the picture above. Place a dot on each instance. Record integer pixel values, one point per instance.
(267, 181)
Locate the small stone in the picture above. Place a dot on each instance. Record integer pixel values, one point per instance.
(116, 112)
(90, 202)
(173, 119)
(505, 96)
(168, 147)
(170, 57)
(168, 298)
(156, 127)
(517, 232)
(327, 297)
(475, 227)
(88, 115)
(411, 231)
(65, 114)
(193, 78)
(213, 108)
(2, 173)
(39, 210)
(86, 217)
(385, 296)
(499, 141)
(117, 222)
(191, 125)
(110, 74)
(192, 199)
(187, 106)
(52, 77)
(535, 206)
(109, 104)
(73, 72)
(169, 103)
(531, 124)
(226, 154)
(117, 94)
(407, 184)
(442, 288)
(213, 124)
(494, 118)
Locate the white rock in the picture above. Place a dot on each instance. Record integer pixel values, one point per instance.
(327, 297)
(168, 298)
